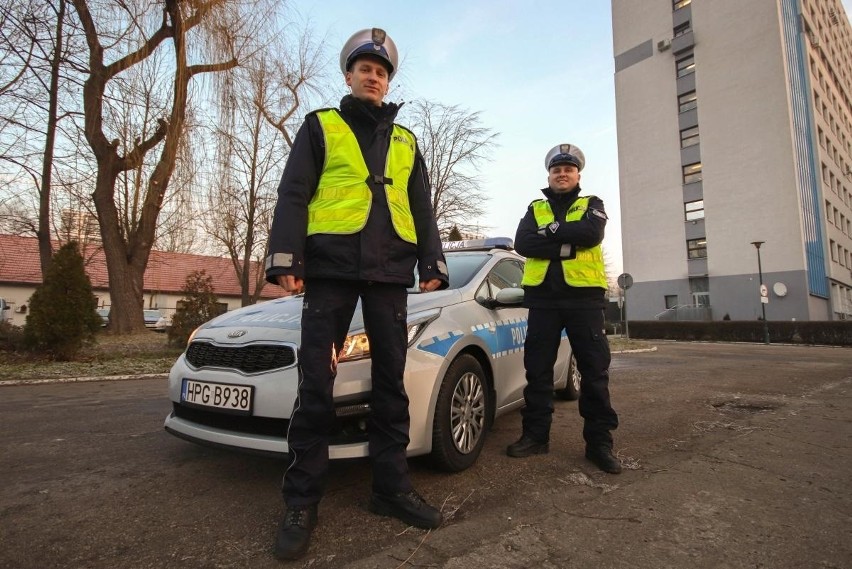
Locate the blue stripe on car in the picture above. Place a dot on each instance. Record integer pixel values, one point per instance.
(502, 338)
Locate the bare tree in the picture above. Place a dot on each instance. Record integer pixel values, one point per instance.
(259, 114)
(201, 37)
(36, 35)
(240, 205)
(178, 224)
(453, 143)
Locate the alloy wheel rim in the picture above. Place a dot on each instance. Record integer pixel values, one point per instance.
(467, 412)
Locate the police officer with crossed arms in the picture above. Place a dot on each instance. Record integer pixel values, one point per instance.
(565, 289)
(353, 217)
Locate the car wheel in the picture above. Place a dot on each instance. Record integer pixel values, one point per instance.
(571, 392)
(461, 415)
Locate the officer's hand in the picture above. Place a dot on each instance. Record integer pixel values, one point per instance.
(429, 286)
(291, 283)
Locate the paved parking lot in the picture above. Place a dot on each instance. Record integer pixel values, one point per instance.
(736, 456)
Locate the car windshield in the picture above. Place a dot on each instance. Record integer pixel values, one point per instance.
(461, 266)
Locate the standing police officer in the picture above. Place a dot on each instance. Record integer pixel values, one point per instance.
(565, 289)
(353, 218)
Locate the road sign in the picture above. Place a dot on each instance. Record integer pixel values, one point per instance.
(764, 292)
(625, 280)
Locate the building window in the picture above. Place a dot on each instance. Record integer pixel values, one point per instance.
(689, 137)
(671, 301)
(694, 210)
(682, 29)
(687, 101)
(678, 4)
(696, 248)
(699, 287)
(685, 65)
(692, 173)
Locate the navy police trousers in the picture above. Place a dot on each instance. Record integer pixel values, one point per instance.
(585, 331)
(326, 316)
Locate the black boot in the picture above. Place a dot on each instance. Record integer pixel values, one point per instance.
(408, 507)
(603, 458)
(294, 533)
(527, 446)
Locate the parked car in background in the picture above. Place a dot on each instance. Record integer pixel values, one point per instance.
(4, 310)
(235, 385)
(163, 323)
(151, 317)
(104, 314)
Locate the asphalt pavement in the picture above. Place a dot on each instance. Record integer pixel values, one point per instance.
(735, 456)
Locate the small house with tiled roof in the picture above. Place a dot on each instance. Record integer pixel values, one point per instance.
(165, 277)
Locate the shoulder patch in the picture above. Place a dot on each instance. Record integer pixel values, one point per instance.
(598, 213)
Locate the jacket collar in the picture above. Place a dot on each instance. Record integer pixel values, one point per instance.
(360, 111)
(566, 197)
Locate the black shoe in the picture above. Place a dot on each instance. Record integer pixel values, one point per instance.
(408, 507)
(294, 533)
(604, 459)
(527, 446)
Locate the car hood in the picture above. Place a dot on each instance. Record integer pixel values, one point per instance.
(285, 314)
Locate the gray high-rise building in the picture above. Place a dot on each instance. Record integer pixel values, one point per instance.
(735, 157)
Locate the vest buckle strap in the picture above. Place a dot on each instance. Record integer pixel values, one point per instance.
(379, 179)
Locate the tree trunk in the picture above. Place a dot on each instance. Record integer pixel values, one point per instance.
(125, 268)
(45, 247)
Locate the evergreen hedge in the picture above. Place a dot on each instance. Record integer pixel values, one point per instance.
(62, 316)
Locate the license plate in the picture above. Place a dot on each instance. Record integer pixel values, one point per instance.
(232, 398)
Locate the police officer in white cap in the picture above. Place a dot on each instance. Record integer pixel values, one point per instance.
(565, 290)
(353, 218)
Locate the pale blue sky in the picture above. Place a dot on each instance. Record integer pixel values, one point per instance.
(539, 71)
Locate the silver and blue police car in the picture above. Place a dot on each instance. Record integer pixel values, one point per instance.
(235, 385)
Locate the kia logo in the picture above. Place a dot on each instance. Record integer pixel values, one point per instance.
(237, 333)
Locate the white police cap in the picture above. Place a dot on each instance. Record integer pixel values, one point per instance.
(373, 41)
(565, 154)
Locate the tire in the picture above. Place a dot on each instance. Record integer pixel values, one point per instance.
(462, 414)
(572, 391)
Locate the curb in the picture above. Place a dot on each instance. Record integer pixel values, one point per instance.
(81, 379)
(636, 350)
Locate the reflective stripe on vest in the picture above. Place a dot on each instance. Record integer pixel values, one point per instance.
(586, 269)
(342, 201)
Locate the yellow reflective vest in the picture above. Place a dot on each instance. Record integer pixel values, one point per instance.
(342, 201)
(586, 269)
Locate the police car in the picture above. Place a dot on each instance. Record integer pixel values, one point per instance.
(235, 385)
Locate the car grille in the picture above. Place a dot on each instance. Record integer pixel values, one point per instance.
(254, 358)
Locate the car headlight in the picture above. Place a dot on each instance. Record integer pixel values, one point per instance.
(192, 336)
(357, 346)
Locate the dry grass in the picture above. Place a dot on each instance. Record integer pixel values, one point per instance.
(142, 353)
(619, 344)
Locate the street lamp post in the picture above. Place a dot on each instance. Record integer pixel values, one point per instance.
(763, 298)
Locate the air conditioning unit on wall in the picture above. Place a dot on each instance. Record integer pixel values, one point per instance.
(664, 44)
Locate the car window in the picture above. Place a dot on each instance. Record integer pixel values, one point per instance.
(507, 274)
(461, 266)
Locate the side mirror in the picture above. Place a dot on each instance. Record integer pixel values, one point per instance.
(509, 297)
